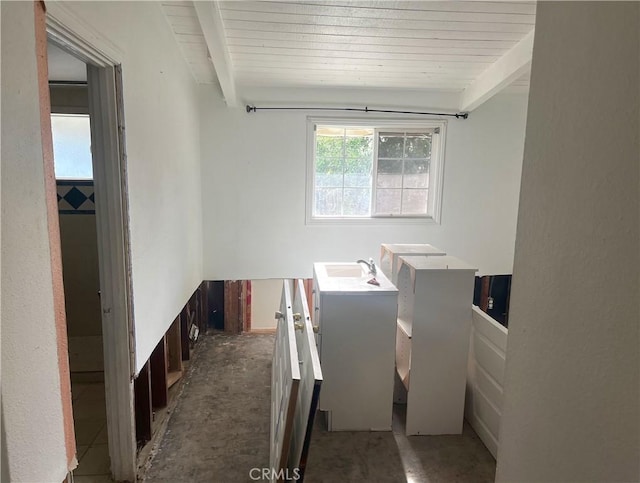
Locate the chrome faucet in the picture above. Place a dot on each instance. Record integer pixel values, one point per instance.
(370, 265)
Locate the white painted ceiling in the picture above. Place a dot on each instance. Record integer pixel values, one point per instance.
(416, 45)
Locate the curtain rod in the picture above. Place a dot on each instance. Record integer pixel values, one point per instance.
(459, 115)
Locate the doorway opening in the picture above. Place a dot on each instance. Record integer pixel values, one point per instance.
(89, 159)
(71, 132)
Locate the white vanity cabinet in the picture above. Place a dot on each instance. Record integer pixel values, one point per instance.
(391, 252)
(432, 346)
(356, 341)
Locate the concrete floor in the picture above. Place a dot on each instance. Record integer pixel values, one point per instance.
(219, 431)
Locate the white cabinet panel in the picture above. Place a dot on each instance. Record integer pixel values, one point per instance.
(435, 309)
(390, 254)
(357, 353)
(483, 408)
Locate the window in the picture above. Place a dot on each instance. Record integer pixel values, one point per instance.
(71, 146)
(387, 169)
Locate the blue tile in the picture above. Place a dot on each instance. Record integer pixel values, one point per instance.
(75, 197)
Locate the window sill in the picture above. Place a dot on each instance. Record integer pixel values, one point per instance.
(377, 221)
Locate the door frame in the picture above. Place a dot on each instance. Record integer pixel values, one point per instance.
(104, 77)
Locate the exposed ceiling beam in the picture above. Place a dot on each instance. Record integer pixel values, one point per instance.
(512, 65)
(210, 20)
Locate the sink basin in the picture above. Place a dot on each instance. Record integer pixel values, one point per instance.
(349, 277)
(344, 270)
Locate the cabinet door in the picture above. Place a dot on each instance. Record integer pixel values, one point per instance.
(295, 383)
(310, 382)
(285, 381)
(317, 316)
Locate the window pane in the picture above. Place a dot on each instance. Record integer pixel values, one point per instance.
(329, 165)
(416, 166)
(416, 181)
(328, 202)
(388, 201)
(389, 173)
(389, 166)
(329, 180)
(357, 180)
(330, 146)
(414, 202)
(357, 201)
(390, 145)
(71, 146)
(358, 165)
(343, 171)
(357, 172)
(416, 173)
(418, 146)
(360, 146)
(345, 179)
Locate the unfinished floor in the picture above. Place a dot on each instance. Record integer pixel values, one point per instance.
(219, 431)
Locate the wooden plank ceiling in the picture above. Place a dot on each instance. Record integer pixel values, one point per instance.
(442, 45)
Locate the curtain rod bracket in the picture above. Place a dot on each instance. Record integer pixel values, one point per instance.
(458, 115)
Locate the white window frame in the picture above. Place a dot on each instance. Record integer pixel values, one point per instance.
(76, 115)
(436, 168)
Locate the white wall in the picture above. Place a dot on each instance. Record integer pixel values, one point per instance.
(253, 184)
(571, 407)
(79, 244)
(163, 156)
(31, 398)
(265, 301)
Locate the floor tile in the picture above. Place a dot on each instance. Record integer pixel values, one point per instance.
(87, 430)
(88, 409)
(93, 392)
(77, 389)
(92, 479)
(102, 437)
(80, 451)
(94, 462)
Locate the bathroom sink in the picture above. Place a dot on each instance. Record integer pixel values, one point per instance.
(349, 277)
(344, 270)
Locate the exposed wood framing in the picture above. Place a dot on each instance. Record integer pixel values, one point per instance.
(484, 293)
(185, 325)
(158, 366)
(499, 75)
(203, 320)
(143, 410)
(245, 304)
(232, 319)
(174, 353)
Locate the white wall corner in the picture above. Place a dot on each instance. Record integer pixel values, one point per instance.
(212, 26)
(512, 65)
